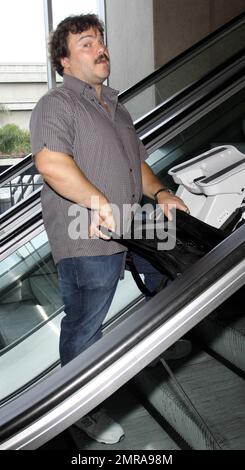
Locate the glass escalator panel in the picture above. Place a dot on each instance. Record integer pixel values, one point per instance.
(31, 310)
(29, 301)
(29, 291)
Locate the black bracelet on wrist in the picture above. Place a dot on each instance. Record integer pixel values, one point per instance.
(166, 190)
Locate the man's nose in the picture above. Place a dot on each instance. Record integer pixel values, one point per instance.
(101, 49)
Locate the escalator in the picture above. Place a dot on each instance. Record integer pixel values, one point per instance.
(211, 113)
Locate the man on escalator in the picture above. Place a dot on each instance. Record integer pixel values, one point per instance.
(85, 146)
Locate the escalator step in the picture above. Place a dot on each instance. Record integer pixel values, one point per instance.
(216, 392)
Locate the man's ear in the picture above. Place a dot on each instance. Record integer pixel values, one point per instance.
(65, 62)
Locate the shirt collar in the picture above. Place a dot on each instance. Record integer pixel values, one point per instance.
(81, 88)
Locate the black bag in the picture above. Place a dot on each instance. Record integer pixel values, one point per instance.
(194, 239)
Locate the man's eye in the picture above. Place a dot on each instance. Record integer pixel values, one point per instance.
(87, 44)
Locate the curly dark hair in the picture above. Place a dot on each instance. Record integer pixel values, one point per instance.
(72, 24)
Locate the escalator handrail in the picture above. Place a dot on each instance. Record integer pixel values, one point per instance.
(20, 206)
(44, 396)
(16, 169)
(165, 127)
(18, 231)
(140, 86)
(219, 73)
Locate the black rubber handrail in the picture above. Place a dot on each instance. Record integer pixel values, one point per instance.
(20, 206)
(154, 136)
(218, 73)
(179, 59)
(18, 231)
(43, 397)
(16, 169)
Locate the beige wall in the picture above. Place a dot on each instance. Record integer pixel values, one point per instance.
(178, 24)
(21, 86)
(130, 41)
(222, 11)
(131, 45)
(20, 118)
(18, 101)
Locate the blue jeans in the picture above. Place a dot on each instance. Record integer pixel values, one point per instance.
(87, 286)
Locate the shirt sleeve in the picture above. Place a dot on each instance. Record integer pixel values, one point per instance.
(51, 125)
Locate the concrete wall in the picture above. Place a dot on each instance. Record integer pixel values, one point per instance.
(178, 24)
(222, 11)
(21, 86)
(18, 100)
(130, 42)
(20, 118)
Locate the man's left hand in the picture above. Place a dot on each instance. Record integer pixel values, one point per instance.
(169, 201)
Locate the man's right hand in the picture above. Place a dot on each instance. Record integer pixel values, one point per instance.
(102, 216)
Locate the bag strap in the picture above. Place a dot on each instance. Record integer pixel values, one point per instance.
(140, 284)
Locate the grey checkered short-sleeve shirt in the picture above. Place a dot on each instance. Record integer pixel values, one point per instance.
(70, 119)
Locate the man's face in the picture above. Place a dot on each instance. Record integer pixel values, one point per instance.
(89, 58)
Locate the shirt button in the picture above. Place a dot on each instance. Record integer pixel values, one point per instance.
(133, 195)
(130, 169)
